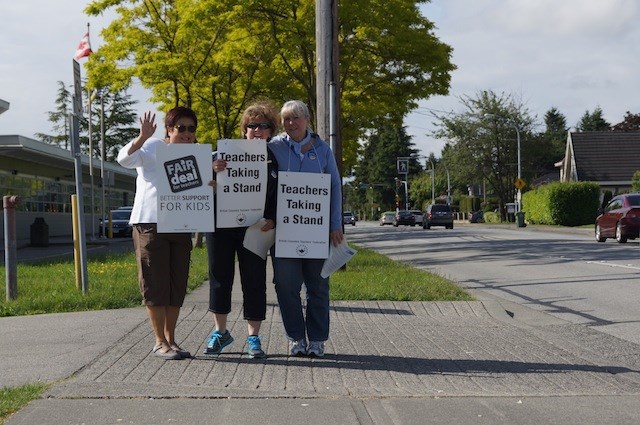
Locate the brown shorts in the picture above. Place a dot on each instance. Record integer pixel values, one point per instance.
(163, 265)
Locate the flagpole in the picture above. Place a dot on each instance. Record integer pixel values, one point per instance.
(102, 173)
(93, 219)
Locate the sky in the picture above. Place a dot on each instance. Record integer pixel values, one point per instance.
(574, 55)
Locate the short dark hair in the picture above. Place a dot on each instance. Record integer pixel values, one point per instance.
(175, 114)
(262, 109)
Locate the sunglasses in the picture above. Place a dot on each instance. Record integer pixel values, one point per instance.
(183, 128)
(261, 126)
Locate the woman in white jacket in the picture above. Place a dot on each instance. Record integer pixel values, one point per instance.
(162, 258)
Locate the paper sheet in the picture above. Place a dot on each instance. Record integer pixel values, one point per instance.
(338, 257)
(257, 241)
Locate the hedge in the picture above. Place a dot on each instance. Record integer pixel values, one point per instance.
(564, 204)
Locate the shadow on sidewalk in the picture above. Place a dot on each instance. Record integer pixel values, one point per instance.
(421, 366)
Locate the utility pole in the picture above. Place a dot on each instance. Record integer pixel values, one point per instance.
(327, 77)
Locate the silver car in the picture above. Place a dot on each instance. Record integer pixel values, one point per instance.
(387, 218)
(419, 216)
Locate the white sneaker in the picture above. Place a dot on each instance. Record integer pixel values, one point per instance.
(298, 348)
(316, 348)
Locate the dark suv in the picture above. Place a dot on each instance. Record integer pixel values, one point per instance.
(119, 223)
(438, 215)
(348, 218)
(404, 217)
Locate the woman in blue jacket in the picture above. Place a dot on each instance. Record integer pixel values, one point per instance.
(300, 150)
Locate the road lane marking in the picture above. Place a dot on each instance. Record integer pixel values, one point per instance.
(600, 263)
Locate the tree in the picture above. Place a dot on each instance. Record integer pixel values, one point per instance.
(420, 189)
(481, 142)
(631, 122)
(635, 182)
(219, 55)
(551, 144)
(377, 166)
(60, 119)
(593, 121)
(119, 122)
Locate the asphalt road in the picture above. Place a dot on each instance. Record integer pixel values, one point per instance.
(561, 272)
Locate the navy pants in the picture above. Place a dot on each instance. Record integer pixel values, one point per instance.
(222, 248)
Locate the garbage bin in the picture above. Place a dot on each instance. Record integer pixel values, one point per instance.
(39, 232)
(520, 219)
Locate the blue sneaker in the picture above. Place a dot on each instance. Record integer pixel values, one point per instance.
(254, 347)
(316, 349)
(217, 342)
(298, 348)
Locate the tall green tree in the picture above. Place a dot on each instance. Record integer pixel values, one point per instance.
(593, 121)
(219, 55)
(59, 118)
(119, 122)
(556, 132)
(482, 142)
(549, 146)
(377, 168)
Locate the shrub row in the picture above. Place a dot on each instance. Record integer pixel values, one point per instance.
(564, 204)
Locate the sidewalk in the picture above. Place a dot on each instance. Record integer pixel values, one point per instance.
(386, 363)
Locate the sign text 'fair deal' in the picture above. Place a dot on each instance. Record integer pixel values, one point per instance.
(185, 199)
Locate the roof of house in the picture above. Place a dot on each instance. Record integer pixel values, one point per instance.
(606, 155)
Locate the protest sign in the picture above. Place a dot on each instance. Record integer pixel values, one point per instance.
(302, 226)
(242, 187)
(185, 199)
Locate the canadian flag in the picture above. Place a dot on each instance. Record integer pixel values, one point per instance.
(84, 48)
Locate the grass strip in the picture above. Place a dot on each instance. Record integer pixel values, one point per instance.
(370, 276)
(14, 399)
(50, 287)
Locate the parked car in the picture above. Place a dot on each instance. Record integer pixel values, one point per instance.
(476, 217)
(119, 223)
(387, 218)
(348, 218)
(619, 219)
(438, 215)
(418, 215)
(404, 217)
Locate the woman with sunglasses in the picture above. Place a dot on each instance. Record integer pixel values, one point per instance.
(259, 121)
(162, 258)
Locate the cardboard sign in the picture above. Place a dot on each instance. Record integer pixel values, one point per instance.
(242, 187)
(304, 204)
(185, 199)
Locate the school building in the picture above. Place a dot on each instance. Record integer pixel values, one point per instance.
(43, 177)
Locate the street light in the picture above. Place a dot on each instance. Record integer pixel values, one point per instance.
(448, 184)
(513, 123)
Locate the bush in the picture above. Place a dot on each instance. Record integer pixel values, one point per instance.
(492, 217)
(564, 204)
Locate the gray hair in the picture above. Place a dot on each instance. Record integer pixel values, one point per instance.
(294, 107)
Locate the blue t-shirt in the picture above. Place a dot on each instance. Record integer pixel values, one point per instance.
(318, 159)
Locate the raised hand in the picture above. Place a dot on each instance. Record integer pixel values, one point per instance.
(147, 125)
